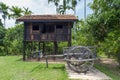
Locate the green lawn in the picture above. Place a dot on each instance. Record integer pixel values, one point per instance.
(13, 68)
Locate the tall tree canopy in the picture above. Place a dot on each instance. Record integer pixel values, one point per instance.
(16, 12)
(26, 11)
(2, 35)
(12, 12)
(62, 8)
(104, 24)
(56, 3)
(13, 40)
(74, 4)
(106, 17)
(4, 10)
(66, 5)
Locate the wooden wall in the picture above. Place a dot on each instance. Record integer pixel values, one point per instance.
(47, 31)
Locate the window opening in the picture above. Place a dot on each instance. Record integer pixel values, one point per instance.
(59, 26)
(35, 27)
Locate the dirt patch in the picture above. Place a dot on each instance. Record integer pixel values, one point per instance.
(109, 62)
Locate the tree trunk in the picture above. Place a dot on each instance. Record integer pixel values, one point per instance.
(108, 55)
(118, 58)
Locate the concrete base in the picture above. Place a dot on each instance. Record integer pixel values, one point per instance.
(93, 74)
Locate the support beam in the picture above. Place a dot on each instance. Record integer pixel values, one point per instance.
(46, 59)
(69, 43)
(43, 48)
(31, 49)
(39, 46)
(70, 36)
(55, 48)
(24, 48)
(39, 51)
(24, 43)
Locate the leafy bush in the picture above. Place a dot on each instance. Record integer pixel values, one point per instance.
(13, 40)
(2, 35)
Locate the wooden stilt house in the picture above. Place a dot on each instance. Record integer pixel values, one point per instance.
(47, 28)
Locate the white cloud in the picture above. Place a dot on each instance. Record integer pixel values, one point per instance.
(41, 7)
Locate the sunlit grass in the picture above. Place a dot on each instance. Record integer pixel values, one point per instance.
(13, 68)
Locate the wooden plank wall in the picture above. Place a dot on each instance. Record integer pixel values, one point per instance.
(63, 34)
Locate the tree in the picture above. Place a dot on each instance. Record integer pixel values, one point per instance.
(83, 34)
(66, 5)
(56, 3)
(26, 11)
(105, 26)
(4, 10)
(106, 14)
(1, 23)
(13, 40)
(2, 35)
(73, 4)
(62, 8)
(15, 12)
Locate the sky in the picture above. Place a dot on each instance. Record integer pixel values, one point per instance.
(41, 7)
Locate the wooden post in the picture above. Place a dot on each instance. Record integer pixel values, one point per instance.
(69, 36)
(39, 52)
(24, 43)
(43, 48)
(69, 43)
(24, 48)
(46, 58)
(39, 46)
(55, 48)
(31, 50)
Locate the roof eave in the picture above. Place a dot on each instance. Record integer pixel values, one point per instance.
(66, 20)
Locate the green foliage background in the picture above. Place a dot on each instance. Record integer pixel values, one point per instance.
(100, 29)
(12, 40)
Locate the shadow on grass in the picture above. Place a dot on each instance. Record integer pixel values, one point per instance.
(43, 67)
(59, 67)
(20, 59)
(38, 67)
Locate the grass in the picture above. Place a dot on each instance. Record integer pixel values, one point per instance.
(111, 71)
(13, 68)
